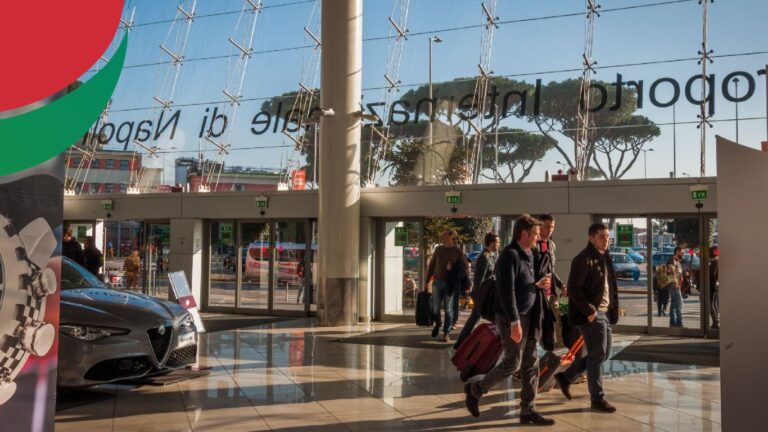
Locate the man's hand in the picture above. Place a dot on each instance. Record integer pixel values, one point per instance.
(592, 317)
(545, 283)
(516, 332)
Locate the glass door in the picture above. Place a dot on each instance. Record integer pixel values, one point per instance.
(402, 267)
(289, 254)
(253, 255)
(157, 248)
(676, 245)
(628, 249)
(223, 270)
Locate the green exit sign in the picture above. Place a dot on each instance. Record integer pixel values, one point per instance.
(262, 202)
(699, 194)
(453, 198)
(401, 236)
(107, 205)
(624, 235)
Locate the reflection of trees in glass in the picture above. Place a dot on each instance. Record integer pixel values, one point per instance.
(470, 230)
(255, 232)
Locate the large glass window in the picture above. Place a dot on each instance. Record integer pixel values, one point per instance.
(254, 257)
(155, 258)
(629, 253)
(223, 265)
(678, 283)
(402, 267)
(290, 265)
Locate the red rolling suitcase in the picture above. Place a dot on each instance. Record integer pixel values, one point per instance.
(478, 353)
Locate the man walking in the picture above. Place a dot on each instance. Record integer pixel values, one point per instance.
(445, 257)
(484, 268)
(593, 306)
(544, 258)
(519, 306)
(675, 293)
(70, 247)
(714, 288)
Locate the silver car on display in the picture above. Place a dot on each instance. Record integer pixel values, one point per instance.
(109, 335)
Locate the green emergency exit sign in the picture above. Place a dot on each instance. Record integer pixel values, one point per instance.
(699, 194)
(625, 235)
(401, 236)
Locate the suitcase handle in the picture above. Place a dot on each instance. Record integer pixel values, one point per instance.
(574, 349)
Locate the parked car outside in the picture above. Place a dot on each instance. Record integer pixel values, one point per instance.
(624, 267)
(108, 335)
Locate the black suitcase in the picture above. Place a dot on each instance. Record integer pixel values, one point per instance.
(424, 309)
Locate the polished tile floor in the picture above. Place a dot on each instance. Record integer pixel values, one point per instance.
(293, 376)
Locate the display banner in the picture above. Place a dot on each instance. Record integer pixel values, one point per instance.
(31, 209)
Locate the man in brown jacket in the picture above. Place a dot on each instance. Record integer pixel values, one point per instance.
(132, 267)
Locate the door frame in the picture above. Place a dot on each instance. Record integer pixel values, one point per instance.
(378, 296)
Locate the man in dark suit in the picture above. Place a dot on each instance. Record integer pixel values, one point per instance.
(593, 306)
(519, 313)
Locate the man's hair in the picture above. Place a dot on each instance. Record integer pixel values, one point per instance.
(545, 217)
(490, 238)
(678, 248)
(525, 222)
(67, 230)
(595, 227)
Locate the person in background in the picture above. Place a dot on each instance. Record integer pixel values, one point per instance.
(443, 259)
(93, 256)
(675, 288)
(484, 269)
(544, 259)
(132, 268)
(70, 247)
(714, 288)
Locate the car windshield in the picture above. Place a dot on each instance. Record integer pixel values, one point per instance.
(620, 259)
(74, 277)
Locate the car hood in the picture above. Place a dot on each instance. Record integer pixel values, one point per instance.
(623, 266)
(112, 308)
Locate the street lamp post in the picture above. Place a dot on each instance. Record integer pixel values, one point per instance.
(674, 141)
(645, 161)
(435, 39)
(736, 84)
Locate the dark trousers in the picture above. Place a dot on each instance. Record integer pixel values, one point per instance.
(662, 300)
(516, 356)
(456, 298)
(470, 324)
(714, 304)
(597, 340)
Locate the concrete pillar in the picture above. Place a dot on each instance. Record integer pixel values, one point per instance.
(339, 161)
(365, 283)
(187, 253)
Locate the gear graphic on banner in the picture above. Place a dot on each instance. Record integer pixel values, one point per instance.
(25, 283)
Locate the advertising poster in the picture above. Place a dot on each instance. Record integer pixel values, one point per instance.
(46, 106)
(30, 248)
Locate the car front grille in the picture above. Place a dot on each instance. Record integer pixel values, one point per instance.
(160, 342)
(182, 357)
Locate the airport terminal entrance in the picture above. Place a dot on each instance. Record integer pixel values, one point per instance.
(262, 267)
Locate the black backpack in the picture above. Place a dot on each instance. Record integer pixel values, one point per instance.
(484, 298)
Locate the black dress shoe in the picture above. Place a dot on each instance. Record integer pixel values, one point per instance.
(536, 419)
(473, 403)
(564, 384)
(436, 330)
(603, 406)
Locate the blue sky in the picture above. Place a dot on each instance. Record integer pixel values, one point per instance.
(528, 49)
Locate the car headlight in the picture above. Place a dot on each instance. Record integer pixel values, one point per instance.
(188, 323)
(90, 333)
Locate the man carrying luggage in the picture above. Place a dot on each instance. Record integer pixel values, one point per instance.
(593, 306)
(483, 271)
(519, 306)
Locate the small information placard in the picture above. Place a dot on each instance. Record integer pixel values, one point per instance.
(624, 235)
(183, 293)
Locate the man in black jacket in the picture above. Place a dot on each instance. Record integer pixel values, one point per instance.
(70, 247)
(519, 311)
(593, 306)
(483, 270)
